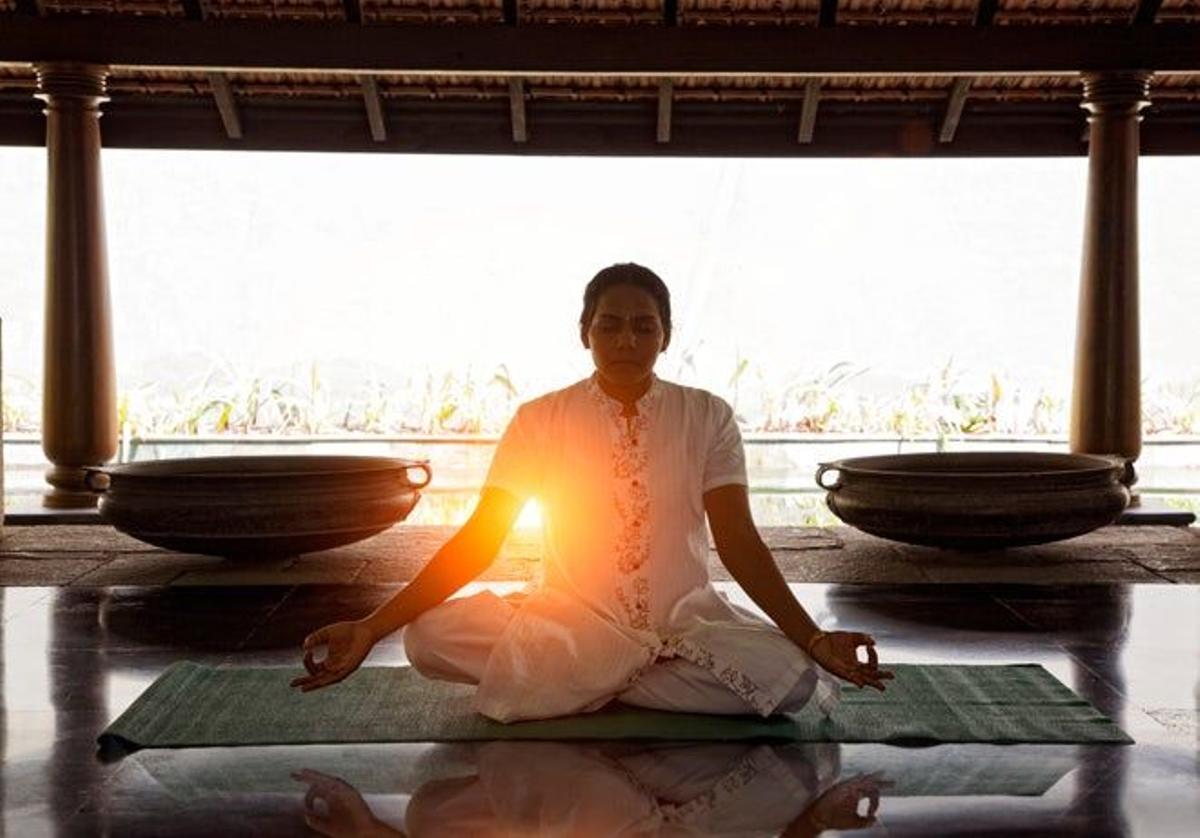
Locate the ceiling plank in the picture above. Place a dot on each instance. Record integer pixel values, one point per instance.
(647, 50)
(808, 111)
(1145, 13)
(516, 106)
(954, 109)
(827, 14)
(666, 95)
(352, 9)
(29, 7)
(374, 108)
(226, 106)
(512, 12)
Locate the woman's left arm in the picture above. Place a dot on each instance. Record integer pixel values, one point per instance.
(751, 564)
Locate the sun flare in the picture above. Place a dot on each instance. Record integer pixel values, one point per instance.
(531, 516)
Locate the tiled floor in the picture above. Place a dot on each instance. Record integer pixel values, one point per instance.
(72, 658)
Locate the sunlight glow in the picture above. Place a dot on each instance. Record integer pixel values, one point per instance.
(531, 516)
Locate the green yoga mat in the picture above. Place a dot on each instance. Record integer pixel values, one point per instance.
(191, 705)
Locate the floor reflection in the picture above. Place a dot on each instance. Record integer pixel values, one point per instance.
(586, 789)
(72, 659)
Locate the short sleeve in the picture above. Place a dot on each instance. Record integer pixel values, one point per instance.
(517, 464)
(725, 462)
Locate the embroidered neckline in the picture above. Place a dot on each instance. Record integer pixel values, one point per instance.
(616, 406)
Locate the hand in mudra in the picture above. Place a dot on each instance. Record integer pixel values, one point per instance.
(347, 644)
(334, 808)
(837, 652)
(838, 807)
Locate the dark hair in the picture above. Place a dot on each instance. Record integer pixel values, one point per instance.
(626, 273)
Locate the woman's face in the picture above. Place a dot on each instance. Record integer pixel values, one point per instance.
(626, 334)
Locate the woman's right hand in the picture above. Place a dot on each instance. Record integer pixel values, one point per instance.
(346, 646)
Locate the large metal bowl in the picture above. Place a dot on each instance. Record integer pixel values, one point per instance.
(257, 507)
(978, 500)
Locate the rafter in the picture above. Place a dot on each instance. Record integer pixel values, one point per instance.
(808, 111)
(954, 109)
(516, 106)
(226, 105)
(827, 14)
(985, 12)
(1145, 12)
(374, 106)
(648, 50)
(512, 12)
(352, 9)
(29, 7)
(194, 9)
(671, 12)
(666, 92)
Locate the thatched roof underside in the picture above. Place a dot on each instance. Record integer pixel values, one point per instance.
(610, 113)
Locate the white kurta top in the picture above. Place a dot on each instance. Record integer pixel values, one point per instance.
(626, 555)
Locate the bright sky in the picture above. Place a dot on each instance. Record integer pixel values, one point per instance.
(441, 262)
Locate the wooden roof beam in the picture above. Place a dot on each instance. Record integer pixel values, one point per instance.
(808, 111)
(516, 106)
(954, 109)
(671, 12)
(512, 12)
(666, 95)
(827, 13)
(352, 9)
(1145, 12)
(626, 50)
(226, 106)
(374, 106)
(29, 7)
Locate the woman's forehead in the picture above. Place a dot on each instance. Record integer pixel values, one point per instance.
(625, 301)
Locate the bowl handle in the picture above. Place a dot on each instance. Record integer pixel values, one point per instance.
(824, 467)
(423, 467)
(96, 480)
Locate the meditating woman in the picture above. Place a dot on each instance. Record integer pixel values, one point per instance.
(626, 468)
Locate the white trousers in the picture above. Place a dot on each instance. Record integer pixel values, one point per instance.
(452, 642)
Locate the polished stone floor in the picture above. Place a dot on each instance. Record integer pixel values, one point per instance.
(73, 658)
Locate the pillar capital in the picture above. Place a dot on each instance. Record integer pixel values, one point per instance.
(1116, 93)
(63, 81)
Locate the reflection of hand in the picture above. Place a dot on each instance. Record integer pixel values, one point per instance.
(345, 812)
(347, 644)
(837, 808)
(837, 652)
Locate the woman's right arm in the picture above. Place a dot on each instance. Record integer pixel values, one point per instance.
(461, 559)
(468, 553)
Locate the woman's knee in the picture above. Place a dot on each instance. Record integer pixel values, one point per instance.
(419, 638)
(452, 641)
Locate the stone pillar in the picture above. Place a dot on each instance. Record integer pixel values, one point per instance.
(1106, 412)
(79, 405)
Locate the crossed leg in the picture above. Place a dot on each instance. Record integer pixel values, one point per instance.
(452, 642)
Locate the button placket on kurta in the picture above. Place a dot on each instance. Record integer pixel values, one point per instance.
(631, 500)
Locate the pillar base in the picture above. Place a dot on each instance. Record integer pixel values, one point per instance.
(68, 489)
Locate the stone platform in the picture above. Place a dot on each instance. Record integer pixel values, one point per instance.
(98, 556)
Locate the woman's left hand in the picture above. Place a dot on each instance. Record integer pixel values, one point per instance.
(837, 652)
